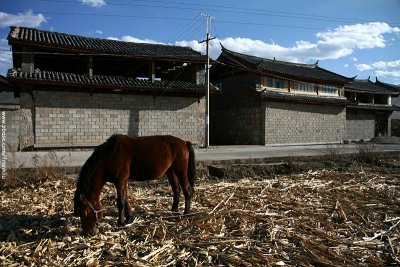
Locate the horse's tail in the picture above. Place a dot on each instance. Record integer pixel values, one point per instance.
(89, 169)
(191, 173)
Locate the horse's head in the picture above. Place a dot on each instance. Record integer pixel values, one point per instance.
(90, 213)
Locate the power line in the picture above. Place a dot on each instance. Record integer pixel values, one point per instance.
(230, 9)
(186, 28)
(181, 19)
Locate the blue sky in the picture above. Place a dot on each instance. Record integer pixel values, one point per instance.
(357, 37)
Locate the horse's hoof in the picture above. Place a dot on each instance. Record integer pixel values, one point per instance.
(128, 220)
(121, 224)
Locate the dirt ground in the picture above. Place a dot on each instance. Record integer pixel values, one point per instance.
(313, 215)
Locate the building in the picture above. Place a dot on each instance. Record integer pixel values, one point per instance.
(370, 109)
(266, 101)
(76, 91)
(395, 101)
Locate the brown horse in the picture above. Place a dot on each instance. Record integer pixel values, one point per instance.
(122, 158)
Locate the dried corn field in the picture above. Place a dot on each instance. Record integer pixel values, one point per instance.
(324, 217)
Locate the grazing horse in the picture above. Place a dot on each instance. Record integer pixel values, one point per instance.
(124, 157)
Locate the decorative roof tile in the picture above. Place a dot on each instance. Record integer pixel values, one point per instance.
(392, 87)
(63, 41)
(281, 68)
(16, 76)
(304, 99)
(368, 87)
(373, 107)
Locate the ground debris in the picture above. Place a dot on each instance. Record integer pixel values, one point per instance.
(325, 217)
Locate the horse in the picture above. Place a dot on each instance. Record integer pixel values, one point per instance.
(122, 158)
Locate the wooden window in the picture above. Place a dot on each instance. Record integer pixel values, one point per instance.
(328, 90)
(303, 87)
(274, 83)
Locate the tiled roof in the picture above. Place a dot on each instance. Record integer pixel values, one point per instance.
(76, 43)
(373, 107)
(304, 99)
(368, 87)
(105, 82)
(281, 68)
(394, 88)
(3, 82)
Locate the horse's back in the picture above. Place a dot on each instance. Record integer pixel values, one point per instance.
(149, 157)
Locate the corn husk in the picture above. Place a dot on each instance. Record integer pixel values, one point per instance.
(320, 217)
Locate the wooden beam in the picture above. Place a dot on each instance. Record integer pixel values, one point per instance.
(90, 67)
(28, 60)
(152, 71)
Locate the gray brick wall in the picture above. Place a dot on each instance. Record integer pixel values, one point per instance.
(11, 127)
(9, 107)
(239, 118)
(80, 118)
(291, 123)
(241, 126)
(395, 123)
(360, 125)
(236, 118)
(395, 117)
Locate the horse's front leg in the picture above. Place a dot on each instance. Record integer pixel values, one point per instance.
(128, 216)
(122, 203)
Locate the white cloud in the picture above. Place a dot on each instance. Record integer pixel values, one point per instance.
(99, 32)
(389, 69)
(363, 67)
(27, 19)
(361, 36)
(128, 38)
(5, 57)
(386, 73)
(331, 44)
(94, 3)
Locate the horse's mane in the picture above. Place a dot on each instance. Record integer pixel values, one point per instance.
(99, 155)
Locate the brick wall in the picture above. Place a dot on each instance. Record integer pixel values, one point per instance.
(360, 125)
(395, 123)
(239, 118)
(395, 117)
(80, 118)
(11, 127)
(9, 107)
(242, 126)
(290, 123)
(235, 118)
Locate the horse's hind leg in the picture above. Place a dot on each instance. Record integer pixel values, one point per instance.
(173, 181)
(184, 182)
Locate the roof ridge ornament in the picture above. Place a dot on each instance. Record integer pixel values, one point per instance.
(15, 31)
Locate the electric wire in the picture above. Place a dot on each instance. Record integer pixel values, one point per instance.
(229, 9)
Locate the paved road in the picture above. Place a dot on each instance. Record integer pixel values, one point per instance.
(210, 155)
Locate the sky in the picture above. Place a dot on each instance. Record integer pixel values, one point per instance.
(357, 37)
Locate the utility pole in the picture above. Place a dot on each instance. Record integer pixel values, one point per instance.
(207, 41)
